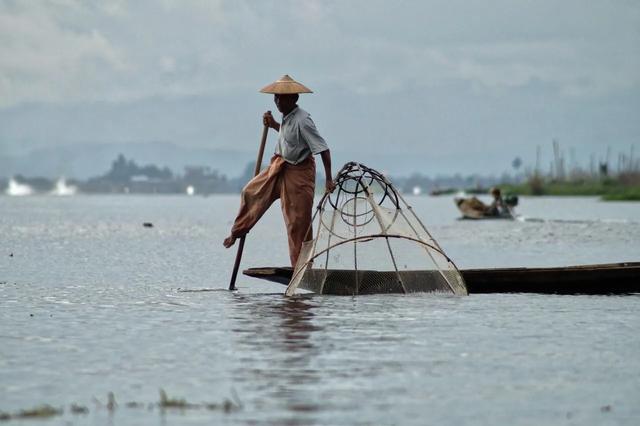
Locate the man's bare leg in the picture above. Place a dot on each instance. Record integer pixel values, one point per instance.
(255, 199)
(229, 241)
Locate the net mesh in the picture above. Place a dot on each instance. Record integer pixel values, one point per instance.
(368, 240)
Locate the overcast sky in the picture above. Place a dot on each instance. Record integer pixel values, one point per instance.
(449, 85)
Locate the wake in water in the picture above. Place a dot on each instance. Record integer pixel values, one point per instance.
(18, 189)
(63, 189)
(576, 221)
(200, 290)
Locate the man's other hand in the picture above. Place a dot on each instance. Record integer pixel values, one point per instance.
(330, 186)
(229, 241)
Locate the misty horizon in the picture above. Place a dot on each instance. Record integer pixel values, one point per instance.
(79, 161)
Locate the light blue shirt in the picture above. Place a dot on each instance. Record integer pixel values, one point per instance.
(299, 137)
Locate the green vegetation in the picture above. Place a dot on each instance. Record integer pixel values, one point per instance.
(623, 188)
(166, 402)
(179, 403)
(628, 194)
(43, 411)
(621, 183)
(46, 411)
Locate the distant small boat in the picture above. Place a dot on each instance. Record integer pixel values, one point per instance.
(473, 208)
(610, 278)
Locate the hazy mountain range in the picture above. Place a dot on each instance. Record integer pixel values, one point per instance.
(82, 161)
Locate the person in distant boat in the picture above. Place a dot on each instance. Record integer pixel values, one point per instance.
(291, 173)
(498, 207)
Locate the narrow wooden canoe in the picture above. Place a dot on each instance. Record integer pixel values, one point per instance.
(610, 278)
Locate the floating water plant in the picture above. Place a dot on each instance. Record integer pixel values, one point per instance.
(166, 402)
(182, 404)
(42, 411)
(227, 406)
(78, 409)
(45, 411)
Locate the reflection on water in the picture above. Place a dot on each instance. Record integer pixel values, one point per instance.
(285, 323)
(276, 337)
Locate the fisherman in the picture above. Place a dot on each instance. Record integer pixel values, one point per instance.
(498, 207)
(291, 173)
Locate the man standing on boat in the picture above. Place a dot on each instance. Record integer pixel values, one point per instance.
(291, 173)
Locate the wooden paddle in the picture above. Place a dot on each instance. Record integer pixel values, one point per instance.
(236, 265)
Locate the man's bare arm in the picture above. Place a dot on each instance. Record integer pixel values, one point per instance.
(326, 161)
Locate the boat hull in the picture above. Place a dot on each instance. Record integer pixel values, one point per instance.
(611, 278)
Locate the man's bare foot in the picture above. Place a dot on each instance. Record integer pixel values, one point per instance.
(229, 241)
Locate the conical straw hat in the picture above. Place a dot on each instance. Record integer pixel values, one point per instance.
(285, 85)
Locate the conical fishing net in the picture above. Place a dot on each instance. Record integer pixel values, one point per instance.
(368, 240)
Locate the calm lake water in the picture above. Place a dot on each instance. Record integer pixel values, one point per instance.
(92, 302)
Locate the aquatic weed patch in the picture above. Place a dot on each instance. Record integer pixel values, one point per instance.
(43, 411)
(171, 403)
(46, 411)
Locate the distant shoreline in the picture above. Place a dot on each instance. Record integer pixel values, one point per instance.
(607, 189)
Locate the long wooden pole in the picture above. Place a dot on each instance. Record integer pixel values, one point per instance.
(236, 265)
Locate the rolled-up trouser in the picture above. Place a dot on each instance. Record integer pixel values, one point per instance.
(294, 185)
